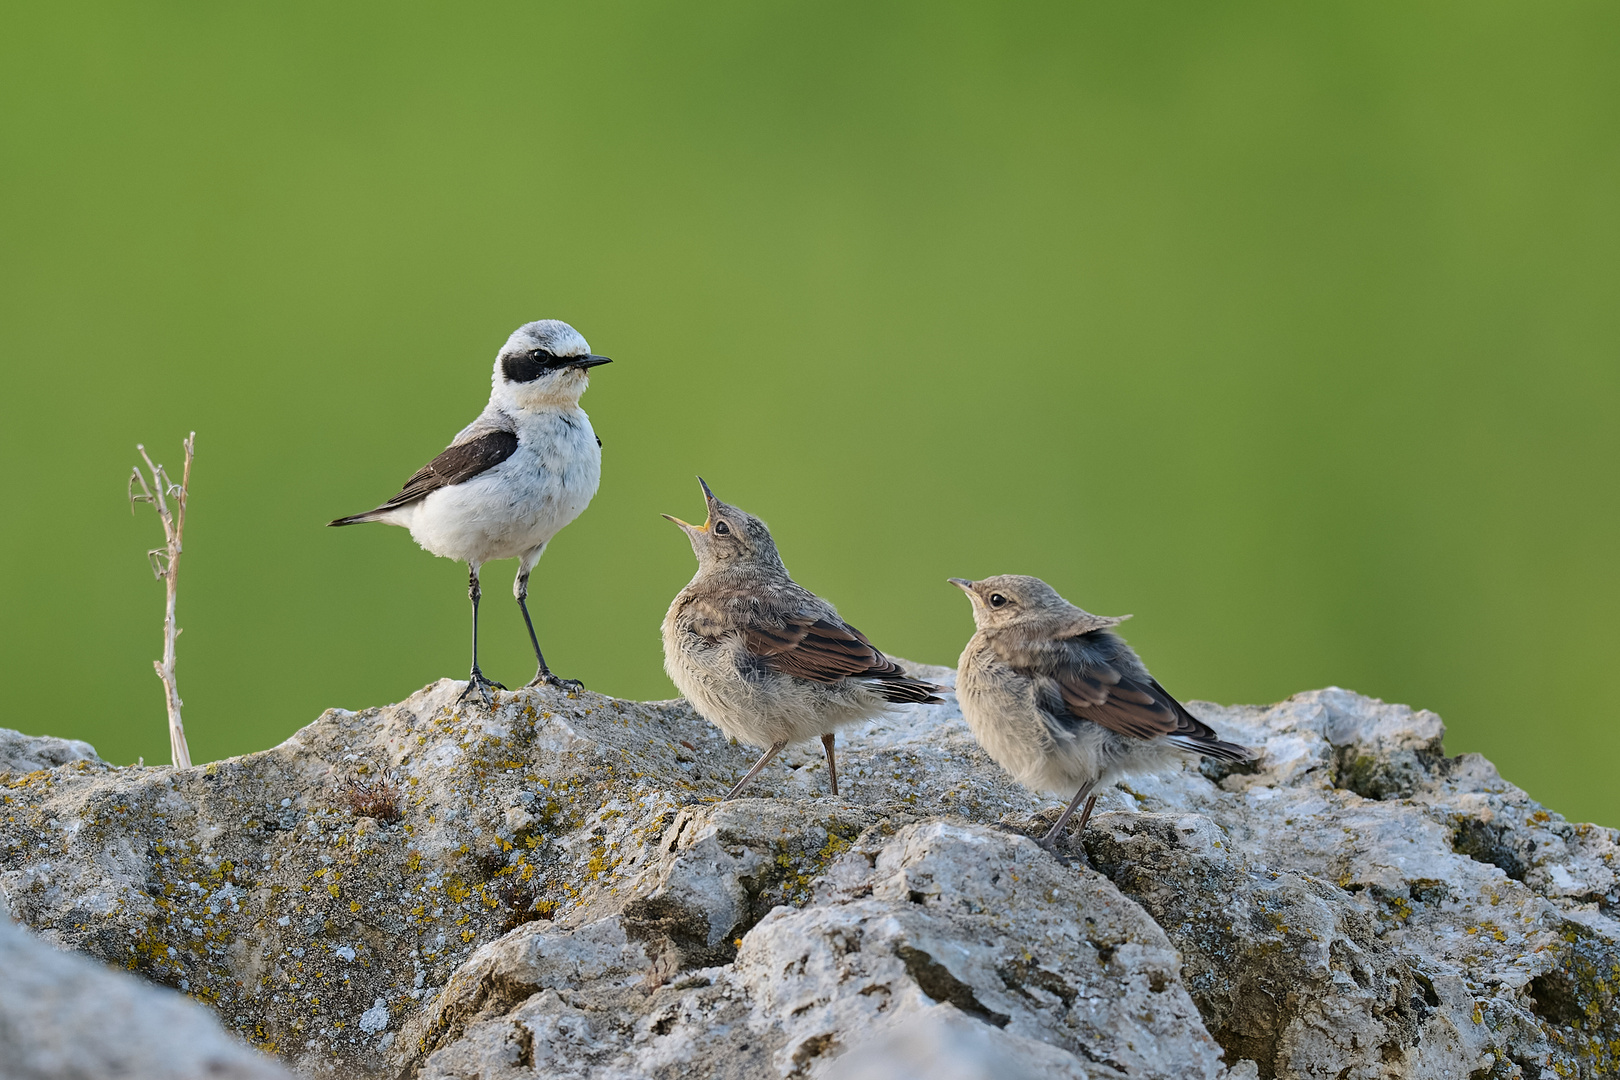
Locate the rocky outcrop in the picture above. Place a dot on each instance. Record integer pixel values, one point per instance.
(64, 1017)
(549, 888)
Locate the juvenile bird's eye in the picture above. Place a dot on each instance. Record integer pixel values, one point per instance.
(722, 529)
(996, 599)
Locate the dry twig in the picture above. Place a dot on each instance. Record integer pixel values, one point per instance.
(166, 566)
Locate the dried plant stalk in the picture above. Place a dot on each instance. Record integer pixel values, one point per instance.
(166, 566)
(371, 792)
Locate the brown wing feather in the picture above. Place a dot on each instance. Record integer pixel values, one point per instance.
(826, 650)
(1097, 692)
(819, 649)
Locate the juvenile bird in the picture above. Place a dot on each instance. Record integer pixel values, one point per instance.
(512, 478)
(1061, 702)
(764, 659)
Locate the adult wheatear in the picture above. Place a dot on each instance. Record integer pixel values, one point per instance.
(512, 478)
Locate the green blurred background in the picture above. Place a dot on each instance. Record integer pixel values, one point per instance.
(1290, 328)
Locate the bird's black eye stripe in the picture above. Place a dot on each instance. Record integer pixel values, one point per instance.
(529, 366)
(722, 529)
(996, 599)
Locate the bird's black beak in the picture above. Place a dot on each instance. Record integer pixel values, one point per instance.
(589, 361)
(961, 583)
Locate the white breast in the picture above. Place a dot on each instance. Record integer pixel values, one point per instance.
(523, 502)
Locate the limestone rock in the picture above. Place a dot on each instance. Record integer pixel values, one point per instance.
(940, 1043)
(21, 753)
(974, 919)
(548, 888)
(64, 1017)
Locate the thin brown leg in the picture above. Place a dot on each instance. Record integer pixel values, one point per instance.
(832, 767)
(1049, 841)
(765, 759)
(1085, 815)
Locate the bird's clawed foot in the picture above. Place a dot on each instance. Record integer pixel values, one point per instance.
(1048, 840)
(482, 687)
(1049, 845)
(1061, 827)
(546, 678)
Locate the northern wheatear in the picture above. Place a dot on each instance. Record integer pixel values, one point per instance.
(512, 478)
(764, 659)
(1061, 702)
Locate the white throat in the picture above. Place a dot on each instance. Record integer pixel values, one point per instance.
(557, 392)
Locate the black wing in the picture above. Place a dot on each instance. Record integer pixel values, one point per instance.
(458, 463)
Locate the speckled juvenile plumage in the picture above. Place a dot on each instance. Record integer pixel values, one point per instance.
(1062, 702)
(764, 659)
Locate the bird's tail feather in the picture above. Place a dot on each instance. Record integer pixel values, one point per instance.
(903, 689)
(1214, 748)
(356, 519)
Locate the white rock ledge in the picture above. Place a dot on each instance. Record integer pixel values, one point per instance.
(561, 896)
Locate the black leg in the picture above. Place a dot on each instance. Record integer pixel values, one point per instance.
(476, 683)
(832, 767)
(542, 674)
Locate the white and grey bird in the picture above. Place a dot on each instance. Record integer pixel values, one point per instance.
(512, 478)
(764, 659)
(1062, 702)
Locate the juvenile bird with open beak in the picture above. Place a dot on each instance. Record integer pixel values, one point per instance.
(764, 659)
(1061, 702)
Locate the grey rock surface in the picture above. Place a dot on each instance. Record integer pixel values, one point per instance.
(65, 1017)
(21, 753)
(941, 1043)
(549, 888)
